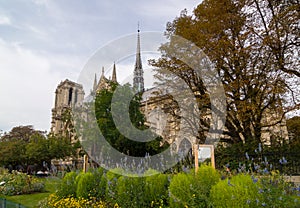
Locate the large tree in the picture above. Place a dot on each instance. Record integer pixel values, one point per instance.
(107, 122)
(253, 46)
(24, 146)
(21, 133)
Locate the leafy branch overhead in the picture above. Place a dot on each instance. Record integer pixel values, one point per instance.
(254, 46)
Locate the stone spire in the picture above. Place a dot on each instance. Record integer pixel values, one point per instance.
(95, 83)
(102, 75)
(138, 78)
(114, 74)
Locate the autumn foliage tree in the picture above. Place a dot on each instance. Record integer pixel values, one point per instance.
(254, 47)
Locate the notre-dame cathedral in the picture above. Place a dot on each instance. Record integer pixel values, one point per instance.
(69, 94)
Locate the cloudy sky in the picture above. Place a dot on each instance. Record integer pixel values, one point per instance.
(45, 41)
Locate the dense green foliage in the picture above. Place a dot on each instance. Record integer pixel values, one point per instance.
(86, 186)
(203, 189)
(156, 189)
(238, 191)
(32, 200)
(68, 185)
(24, 146)
(193, 190)
(111, 133)
(16, 183)
(248, 191)
(282, 156)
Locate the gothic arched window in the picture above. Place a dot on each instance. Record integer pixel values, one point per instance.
(70, 96)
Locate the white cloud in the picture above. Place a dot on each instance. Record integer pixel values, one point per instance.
(50, 40)
(40, 2)
(27, 86)
(169, 8)
(4, 20)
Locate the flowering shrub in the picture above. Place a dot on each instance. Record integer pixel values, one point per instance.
(250, 191)
(239, 191)
(259, 188)
(86, 186)
(19, 183)
(54, 201)
(156, 190)
(275, 192)
(192, 190)
(111, 179)
(131, 192)
(181, 190)
(256, 184)
(68, 185)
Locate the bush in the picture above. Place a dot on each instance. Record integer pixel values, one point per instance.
(181, 190)
(19, 183)
(275, 192)
(156, 190)
(111, 178)
(100, 183)
(191, 189)
(68, 185)
(240, 191)
(249, 191)
(102, 187)
(130, 192)
(206, 177)
(86, 186)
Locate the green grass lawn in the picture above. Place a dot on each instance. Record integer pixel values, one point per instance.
(32, 200)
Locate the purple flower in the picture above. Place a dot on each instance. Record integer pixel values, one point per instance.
(254, 179)
(266, 171)
(229, 184)
(284, 161)
(256, 167)
(247, 156)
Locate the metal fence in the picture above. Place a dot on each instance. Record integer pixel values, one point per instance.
(8, 204)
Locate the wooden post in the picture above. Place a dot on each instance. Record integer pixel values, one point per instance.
(212, 156)
(85, 163)
(196, 148)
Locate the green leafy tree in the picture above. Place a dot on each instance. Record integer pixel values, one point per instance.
(24, 146)
(13, 145)
(112, 134)
(37, 150)
(12, 153)
(21, 133)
